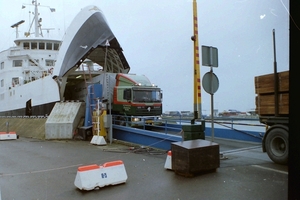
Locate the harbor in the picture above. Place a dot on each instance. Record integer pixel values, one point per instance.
(47, 169)
(77, 123)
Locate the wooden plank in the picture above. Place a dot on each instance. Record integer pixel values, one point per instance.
(265, 84)
(265, 104)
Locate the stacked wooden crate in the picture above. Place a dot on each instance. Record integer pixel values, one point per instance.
(265, 99)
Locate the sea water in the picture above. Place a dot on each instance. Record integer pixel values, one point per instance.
(245, 125)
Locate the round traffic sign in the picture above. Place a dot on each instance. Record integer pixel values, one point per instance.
(210, 82)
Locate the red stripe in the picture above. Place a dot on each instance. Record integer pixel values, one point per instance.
(88, 167)
(113, 163)
(8, 133)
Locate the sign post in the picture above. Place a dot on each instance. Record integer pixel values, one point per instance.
(210, 81)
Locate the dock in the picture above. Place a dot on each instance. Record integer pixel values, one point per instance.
(45, 169)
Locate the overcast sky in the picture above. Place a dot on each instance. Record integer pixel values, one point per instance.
(155, 36)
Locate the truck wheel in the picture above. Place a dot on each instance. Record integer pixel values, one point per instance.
(277, 145)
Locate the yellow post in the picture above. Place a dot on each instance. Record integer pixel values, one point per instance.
(197, 83)
(102, 128)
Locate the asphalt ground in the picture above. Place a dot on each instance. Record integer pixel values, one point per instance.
(34, 169)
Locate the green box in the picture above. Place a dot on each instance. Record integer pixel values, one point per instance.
(193, 136)
(194, 131)
(194, 127)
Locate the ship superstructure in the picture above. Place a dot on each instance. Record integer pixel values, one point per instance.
(38, 71)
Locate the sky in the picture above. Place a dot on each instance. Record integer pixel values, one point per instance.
(156, 39)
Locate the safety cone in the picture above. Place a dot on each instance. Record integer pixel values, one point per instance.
(94, 176)
(168, 163)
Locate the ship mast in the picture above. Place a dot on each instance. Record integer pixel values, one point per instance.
(36, 19)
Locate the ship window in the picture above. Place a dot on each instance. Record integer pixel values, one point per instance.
(15, 81)
(33, 45)
(49, 62)
(49, 46)
(2, 82)
(26, 45)
(41, 45)
(17, 63)
(56, 46)
(2, 65)
(2, 96)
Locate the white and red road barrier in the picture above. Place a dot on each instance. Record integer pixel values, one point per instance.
(168, 163)
(94, 176)
(8, 136)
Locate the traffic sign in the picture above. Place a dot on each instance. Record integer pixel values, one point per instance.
(210, 82)
(209, 56)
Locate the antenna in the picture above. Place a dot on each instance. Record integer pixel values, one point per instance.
(37, 21)
(48, 30)
(16, 25)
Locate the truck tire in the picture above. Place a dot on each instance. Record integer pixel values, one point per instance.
(277, 145)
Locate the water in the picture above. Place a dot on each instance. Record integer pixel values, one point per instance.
(245, 125)
(242, 125)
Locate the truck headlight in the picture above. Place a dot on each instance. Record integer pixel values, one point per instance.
(135, 119)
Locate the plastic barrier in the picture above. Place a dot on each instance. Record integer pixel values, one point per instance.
(94, 176)
(168, 163)
(8, 136)
(98, 140)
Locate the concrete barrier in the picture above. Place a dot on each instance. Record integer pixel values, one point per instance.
(63, 120)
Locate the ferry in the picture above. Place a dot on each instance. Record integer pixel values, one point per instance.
(39, 71)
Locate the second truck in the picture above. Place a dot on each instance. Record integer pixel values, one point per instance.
(272, 106)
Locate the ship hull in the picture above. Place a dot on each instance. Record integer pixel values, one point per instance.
(39, 110)
(35, 98)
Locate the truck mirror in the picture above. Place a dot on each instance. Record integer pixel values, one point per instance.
(127, 94)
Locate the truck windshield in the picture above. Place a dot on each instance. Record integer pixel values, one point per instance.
(147, 95)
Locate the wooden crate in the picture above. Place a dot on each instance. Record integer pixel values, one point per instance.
(192, 157)
(265, 104)
(265, 84)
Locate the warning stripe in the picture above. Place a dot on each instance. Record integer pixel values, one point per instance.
(7, 133)
(88, 167)
(113, 163)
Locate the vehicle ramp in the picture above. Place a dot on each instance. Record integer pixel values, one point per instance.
(64, 119)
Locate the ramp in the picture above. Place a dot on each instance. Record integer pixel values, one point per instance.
(31, 127)
(63, 120)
